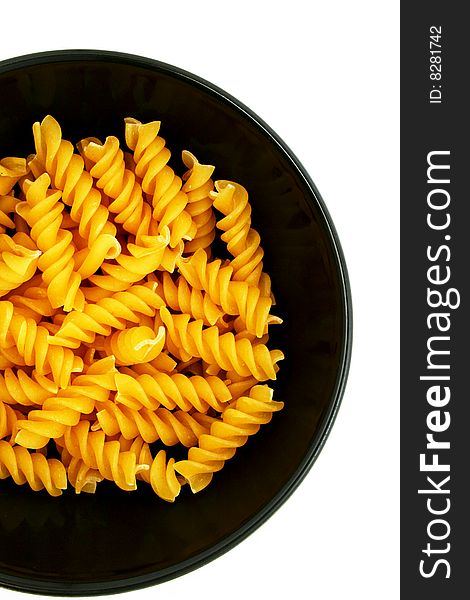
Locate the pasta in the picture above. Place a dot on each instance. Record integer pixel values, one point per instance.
(43, 213)
(107, 312)
(238, 422)
(151, 425)
(23, 389)
(189, 338)
(159, 181)
(103, 455)
(11, 171)
(32, 468)
(8, 420)
(181, 297)
(242, 241)
(162, 477)
(171, 391)
(251, 303)
(82, 477)
(66, 170)
(198, 185)
(7, 207)
(17, 263)
(124, 334)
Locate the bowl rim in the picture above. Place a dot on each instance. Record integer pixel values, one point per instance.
(41, 586)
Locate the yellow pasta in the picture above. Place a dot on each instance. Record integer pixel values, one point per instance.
(160, 474)
(17, 263)
(22, 339)
(104, 456)
(135, 345)
(32, 468)
(242, 241)
(251, 303)
(11, 171)
(227, 434)
(7, 207)
(17, 387)
(82, 477)
(35, 301)
(171, 391)
(143, 258)
(56, 157)
(107, 166)
(122, 333)
(108, 312)
(198, 185)
(152, 425)
(42, 210)
(182, 297)
(162, 477)
(190, 338)
(8, 420)
(159, 180)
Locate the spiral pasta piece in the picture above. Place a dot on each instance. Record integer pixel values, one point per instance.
(135, 345)
(151, 425)
(213, 277)
(104, 456)
(145, 257)
(98, 376)
(17, 264)
(243, 242)
(171, 391)
(197, 185)
(30, 344)
(162, 477)
(12, 169)
(160, 474)
(109, 312)
(43, 213)
(32, 468)
(17, 387)
(164, 363)
(7, 207)
(238, 422)
(5, 362)
(8, 419)
(81, 476)
(188, 338)
(107, 165)
(56, 156)
(234, 297)
(35, 300)
(159, 180)
(239, 386)
(180, 296)
(50, 422)
(66, 407)
(56, 414)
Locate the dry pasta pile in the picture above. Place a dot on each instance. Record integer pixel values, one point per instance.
(121, 333)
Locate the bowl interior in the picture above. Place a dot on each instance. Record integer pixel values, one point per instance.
(113, 540)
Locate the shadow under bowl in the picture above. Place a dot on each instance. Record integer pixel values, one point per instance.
(113, 541)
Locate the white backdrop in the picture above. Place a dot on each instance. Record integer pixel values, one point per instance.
(324, 75)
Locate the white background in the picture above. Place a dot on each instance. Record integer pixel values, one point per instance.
(324, 75)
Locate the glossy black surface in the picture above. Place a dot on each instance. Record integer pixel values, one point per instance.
(114, 541)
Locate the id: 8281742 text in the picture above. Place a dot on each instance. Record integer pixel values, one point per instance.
(435, 64)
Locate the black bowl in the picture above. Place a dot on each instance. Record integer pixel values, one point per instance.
(113, 541)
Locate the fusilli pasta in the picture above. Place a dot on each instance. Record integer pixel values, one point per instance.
(123, 332)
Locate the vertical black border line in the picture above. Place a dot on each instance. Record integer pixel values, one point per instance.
(435, 252)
